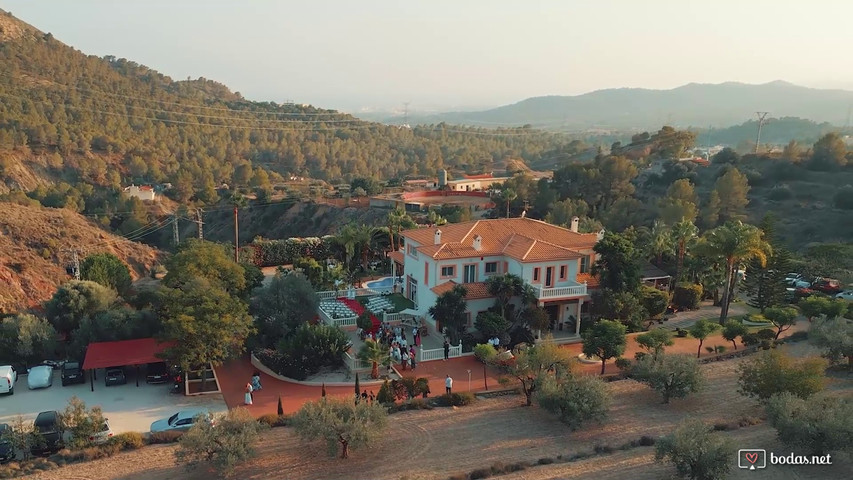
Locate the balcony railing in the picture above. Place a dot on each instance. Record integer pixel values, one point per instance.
(560, 292)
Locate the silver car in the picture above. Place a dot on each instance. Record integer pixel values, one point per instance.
(40, 377)
(103, 435)
(181, 421)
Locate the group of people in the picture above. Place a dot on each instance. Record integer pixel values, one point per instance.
(364, 397)
(398, 345)
(253, 386)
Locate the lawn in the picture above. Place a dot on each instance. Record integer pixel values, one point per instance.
(399, 302)
(443, 442)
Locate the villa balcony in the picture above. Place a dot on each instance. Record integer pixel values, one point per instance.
(556, 293)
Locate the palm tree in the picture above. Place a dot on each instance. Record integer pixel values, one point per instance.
(682, 233)
(735, 243)
(507, 195)
(376, 354)
(659, 241)
(359, 240)
(504, 287)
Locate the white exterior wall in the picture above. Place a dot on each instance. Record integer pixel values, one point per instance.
(477, 306)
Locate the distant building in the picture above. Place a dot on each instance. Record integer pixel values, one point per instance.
(145, 192)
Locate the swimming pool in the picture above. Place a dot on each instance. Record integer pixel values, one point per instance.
(382, 282)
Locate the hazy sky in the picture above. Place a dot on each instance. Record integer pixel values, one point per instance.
(351, 54)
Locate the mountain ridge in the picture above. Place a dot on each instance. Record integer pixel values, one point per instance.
(693, 104)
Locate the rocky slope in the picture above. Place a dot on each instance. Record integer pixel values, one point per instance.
(35, 245)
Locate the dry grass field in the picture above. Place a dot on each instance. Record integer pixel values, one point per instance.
(443, 442)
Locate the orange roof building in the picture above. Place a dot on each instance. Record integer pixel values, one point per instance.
(555, 261)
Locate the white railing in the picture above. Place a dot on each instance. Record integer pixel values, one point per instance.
(438, 353)
(354, 292)
(560, 292)
(344, 321)
(355, 364)
(396, 317)
(340, 322)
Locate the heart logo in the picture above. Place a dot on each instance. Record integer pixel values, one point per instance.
(751, 457)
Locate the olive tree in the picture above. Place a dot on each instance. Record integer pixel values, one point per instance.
(783, 318)
(532, 362)
(341, 422)
(605, 339)
(654, 341)
(673, 376)
(835, 337)
(575, 399)
(733, 329)
(701, 330)
(770, 372)
(821, 424)
(222, 444)
(696, 452)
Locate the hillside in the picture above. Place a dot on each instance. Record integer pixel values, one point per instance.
(698, 105)
(34, 244)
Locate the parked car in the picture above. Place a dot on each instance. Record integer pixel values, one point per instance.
(827, 285)
(8, 377)
(792, 276)
(103, 435)
(72, 373)
(48, 426)
(181, 421)
(800, 282)
(7, 451)
(845, 295)
(40, 376)
(157, 372)
(115, 376)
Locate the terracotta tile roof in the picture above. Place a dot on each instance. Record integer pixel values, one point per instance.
(476, 290)
(397, 257)
(591, 280)
(524, 239)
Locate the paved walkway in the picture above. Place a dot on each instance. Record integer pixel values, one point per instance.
(234, 375)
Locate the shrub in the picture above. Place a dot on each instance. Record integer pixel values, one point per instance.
(771, 372)
(129, 440)
(623, 364)
(687, 296)
(164, 437)
(821, 424)
(696, 452)
(480, 473)
(545, 461)
(274, 420)
(602, 449)
(455, 399)
(844, 198)
(576, 400)
(222, 447)
(81, 422)
(781, 192)
(312, 347)
(647, 441)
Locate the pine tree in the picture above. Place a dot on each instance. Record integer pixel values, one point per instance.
(323, 390)
(765, 285)
(280, 408)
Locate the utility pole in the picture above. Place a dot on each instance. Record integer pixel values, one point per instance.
(200, 224)
(236, 238)
(761, 122)
(176, 239)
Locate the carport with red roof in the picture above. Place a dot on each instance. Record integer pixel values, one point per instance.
(123, 353)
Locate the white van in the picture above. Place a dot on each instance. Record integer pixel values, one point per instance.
(8, 377)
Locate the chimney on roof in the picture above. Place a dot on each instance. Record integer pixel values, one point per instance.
(575, 222)
(478, 243)
(437, 240)
(601, 234)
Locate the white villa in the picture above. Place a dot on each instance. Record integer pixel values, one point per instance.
(145, 192)
(555, 261)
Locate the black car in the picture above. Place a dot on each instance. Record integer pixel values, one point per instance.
(157, 372)
(7, 451)
(72, 373)
(115, 376)
(49, 430)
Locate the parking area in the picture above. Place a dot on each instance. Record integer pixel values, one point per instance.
(128, 407)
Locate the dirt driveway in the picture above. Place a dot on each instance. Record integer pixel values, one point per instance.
(439, 443)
